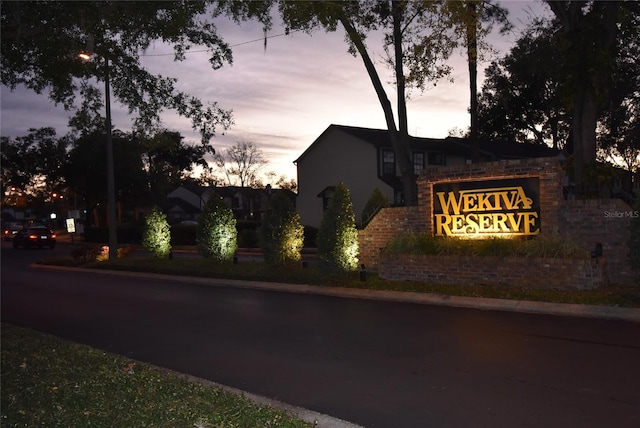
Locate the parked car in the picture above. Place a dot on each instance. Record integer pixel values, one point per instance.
(35, 236)
(10, 231)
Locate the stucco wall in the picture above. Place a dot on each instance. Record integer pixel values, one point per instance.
(339, 157)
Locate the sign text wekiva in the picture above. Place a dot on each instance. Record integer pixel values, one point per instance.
(478, 209)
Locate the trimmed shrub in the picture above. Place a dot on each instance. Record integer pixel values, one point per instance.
(216, 234)
(281, 235)
(375, 203)
(338, 236)
(157, 236)
(545, 246)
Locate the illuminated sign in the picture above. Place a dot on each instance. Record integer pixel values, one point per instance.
(479, 209)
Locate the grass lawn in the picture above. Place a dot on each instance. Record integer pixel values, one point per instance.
(258, 271)
(50, 382)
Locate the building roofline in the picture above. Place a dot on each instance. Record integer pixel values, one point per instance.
(491, 149)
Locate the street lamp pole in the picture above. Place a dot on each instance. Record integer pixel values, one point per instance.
(111, 182)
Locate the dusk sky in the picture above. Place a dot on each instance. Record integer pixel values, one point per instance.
(285, 97)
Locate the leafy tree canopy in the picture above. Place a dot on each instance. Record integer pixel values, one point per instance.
(521, 98)
(85, 170)
(169, 162)
(40, 43)
(34, 162)
(588, 40)
(526, 95)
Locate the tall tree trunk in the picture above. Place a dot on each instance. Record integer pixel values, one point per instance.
(400, 145)
(403, 153)
(472, 61)
(585, 115)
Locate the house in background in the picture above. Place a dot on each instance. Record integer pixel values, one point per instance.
(363, 159)
(186, 202)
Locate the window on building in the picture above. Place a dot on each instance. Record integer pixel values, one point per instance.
(388, 162)
(418, 162)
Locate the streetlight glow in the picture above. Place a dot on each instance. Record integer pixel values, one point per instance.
(85, 56)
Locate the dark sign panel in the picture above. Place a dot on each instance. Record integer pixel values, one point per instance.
(477, 209)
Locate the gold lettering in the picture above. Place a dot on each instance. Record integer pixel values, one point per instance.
(518, 197)
(443, 225)
(513, 224)
(458, 223)
(499, 223)
(467, 212)
(530, 221)
(472, 224)
(449, 202)
(484, 203)
(469, 201)
(486, 222)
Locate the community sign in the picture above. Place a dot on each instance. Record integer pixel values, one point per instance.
(479, 209)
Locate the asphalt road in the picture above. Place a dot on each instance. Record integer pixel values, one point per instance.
(374, 363)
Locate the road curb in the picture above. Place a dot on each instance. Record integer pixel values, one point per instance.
(317, 419)
(525, 306)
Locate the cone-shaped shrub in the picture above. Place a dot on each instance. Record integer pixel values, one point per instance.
(338, 236)
(157, 236)
(282, 235)
(216, 234)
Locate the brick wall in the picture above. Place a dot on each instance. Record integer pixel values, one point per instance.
(605, 221)
(538, 273)
(585, 222)
(389, 222)
(548, 170)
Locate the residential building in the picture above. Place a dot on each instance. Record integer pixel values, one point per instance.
(186, 202)
(363, 159)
